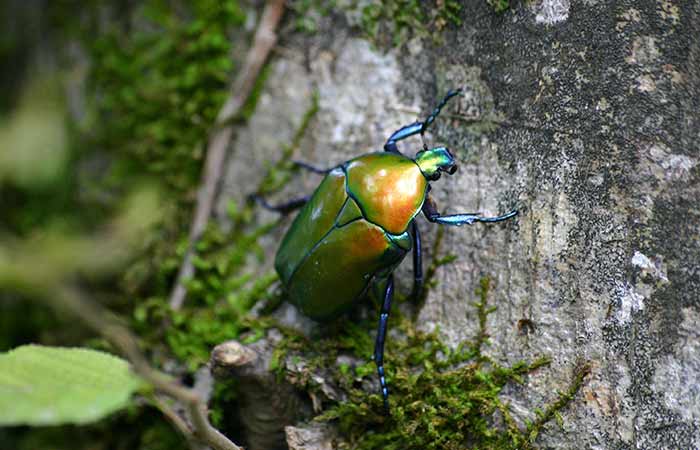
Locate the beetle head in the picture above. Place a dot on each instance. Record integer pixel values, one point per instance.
(434, 161)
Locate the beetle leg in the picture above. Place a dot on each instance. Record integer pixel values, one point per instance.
(436, 112)
(283, 208)
(311, 168)
(417, 263)
(417, 127)
(400, 134)
(431, 213)
(381, 336)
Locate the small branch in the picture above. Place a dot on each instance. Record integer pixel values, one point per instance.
(178, 422)
(182, 426)
(263, 42)
(104, 323)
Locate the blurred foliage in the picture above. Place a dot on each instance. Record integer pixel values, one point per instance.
(136, 428)
(34, 139)
(224, 288)
(53, 385)
(44, 259)
(35, 172)
(79, 196)
(158, 80)
(80, 193)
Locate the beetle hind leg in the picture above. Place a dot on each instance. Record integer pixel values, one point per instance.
(381, 337)
(417, 263)
(282, 208)
(311, 168)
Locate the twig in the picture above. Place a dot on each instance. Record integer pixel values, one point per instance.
(263, 42)
(178, 422)
(102, 321)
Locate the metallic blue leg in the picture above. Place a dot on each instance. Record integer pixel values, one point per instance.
(436, 112)
(284, 208)
(468, 219)
(431, 213)
(402, 133)
(311, 168)
(417, 263)
(381, 336)
(417, 127)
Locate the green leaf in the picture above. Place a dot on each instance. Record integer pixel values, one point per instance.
(51, 385)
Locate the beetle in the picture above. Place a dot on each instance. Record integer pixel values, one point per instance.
(358, 226)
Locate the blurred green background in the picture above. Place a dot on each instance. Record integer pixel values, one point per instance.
(104, 112)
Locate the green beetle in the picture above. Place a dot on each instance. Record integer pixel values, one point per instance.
(358, 226)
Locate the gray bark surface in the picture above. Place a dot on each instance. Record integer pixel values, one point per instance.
(584, 115)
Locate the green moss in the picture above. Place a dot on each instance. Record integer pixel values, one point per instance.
(307, 14)
(157, 76)
(388, 22)
(499, 6)
(394, 22)
(398, 19)
(441, 398)
(249, 107)
(157, 87)
(223, 289)
(157, 79)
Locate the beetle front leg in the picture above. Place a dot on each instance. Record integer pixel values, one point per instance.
(417, 127)
(417, 263)
(381, 337)
(283, 208)
(400, 134)
(431, 213)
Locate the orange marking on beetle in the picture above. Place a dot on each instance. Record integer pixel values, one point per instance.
(390, 196)
(369, 242)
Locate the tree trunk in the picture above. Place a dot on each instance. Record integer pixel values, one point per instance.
(585, 117)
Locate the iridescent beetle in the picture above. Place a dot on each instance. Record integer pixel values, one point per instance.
(358, 226)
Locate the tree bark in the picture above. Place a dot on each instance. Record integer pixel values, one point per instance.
(586, 117)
